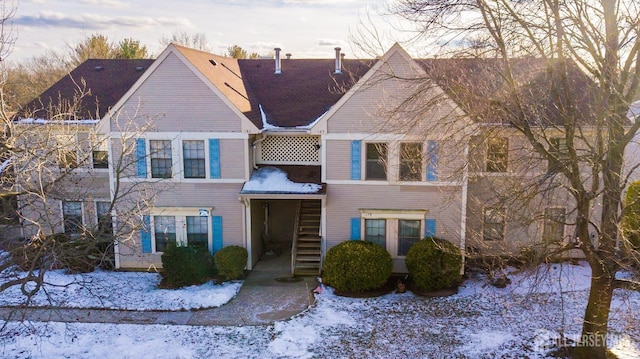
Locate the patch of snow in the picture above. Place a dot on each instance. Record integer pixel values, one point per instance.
(121, 290)
(265, 123)
(272, 179)
(5, 163)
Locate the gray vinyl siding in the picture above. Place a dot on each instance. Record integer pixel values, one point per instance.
(173, 95)
(232, 158)
(223, 198)
(345, 201)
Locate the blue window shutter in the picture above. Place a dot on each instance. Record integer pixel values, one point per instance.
(355, 229)
(216, 228)
(432, 163)
(214, 158)
(141, 158)
(355, 160)
(145, 234)
(429, 227)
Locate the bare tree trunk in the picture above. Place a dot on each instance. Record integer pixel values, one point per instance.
(593, 342)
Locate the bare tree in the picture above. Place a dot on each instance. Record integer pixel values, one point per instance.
(196, 41)
(559, 83)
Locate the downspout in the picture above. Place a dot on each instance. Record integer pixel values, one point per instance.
(463, 210)
(253, 146)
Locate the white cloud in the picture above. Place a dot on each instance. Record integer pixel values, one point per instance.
(106, 3)
(50, 19)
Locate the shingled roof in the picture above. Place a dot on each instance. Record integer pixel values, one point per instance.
(303, 91)
(102, 81)
(479, 87)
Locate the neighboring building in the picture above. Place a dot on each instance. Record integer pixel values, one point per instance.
(66, 182)
(304, 154)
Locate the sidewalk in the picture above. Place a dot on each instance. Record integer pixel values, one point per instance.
(268, 294)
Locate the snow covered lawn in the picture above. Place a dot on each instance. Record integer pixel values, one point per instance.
(478, 322)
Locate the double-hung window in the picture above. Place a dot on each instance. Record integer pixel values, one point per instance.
(408, 234)
(160, 158)
(197, 231)
(194, 159)
(497, 154)
(410, 161)
(105, 223)
(67, 151)
(376, 161)
(375, 231)
(164, 229)
(494, 224)
(72, 217)
(558, 151)
(554, 221)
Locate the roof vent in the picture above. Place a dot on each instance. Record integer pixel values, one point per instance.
(278, 67)
(98, 68)
(213, 62)
(288, 55)
(338, 61)
(139, 69)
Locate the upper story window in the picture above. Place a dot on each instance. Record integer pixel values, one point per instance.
(160, 158)
(497, 154)
(494, 224)
(410, 161)
(100, 158)
(376, 161)
(558, 149)
(193, 159)
(67, 151)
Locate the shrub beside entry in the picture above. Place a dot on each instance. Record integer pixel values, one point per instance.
(230, 262)
(184, 266)
(357, 266)
(434, 263)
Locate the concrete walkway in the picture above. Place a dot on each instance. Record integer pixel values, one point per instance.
(268, 294)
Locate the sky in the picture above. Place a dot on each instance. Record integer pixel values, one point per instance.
(304, 28)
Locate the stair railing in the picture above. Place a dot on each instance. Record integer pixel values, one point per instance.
(294, 241)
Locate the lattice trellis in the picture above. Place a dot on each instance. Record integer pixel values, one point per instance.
(290, 149)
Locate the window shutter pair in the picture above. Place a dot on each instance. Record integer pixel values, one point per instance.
(214, 158)
(216, 228)
(432, 160)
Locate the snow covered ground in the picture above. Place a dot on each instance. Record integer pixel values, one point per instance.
(479, 322)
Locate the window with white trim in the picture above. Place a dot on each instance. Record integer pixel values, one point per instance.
(493, 224)
(497, 154)
(375, 231)
(103, 217)
(164, 231)
(72, 217)
(411, 159)
(395, 230)
(198, 232)
(160, 154)
(554, 221)
(193, 158)
(376, 161)
(408, 234)
(67, 151)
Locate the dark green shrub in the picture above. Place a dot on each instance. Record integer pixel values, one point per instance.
(183, 266)
(357, 266)
(230, 262)
(434, 264)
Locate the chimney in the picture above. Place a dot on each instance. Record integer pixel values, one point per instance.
(288, 55)
(278, 67)
(338, 61)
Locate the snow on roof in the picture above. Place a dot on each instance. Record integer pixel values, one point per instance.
(42, 121)
(275, 180)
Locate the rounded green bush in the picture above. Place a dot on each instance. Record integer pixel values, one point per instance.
(357, 266)
(184, 266)
(230, 262)
(434, 263)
